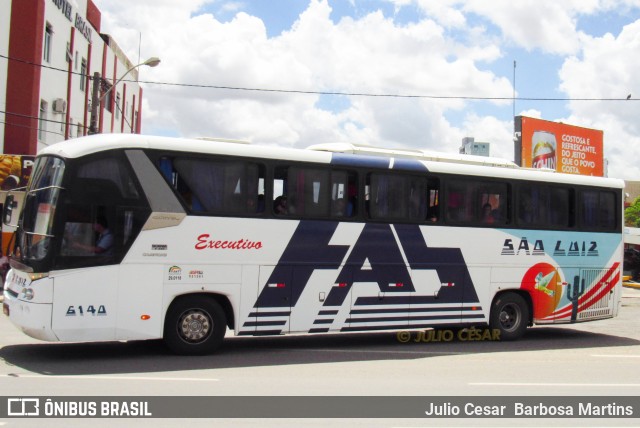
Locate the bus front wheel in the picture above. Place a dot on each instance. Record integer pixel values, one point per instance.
(509, 315)
(195, 325)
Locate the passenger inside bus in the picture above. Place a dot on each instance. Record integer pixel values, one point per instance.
(487, 214)
(280, 205)
(432, 213)
(103, 242)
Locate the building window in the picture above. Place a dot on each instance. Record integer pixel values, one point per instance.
(83, 74)
(48, 39)
(42, 122)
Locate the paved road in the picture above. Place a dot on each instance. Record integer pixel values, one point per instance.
(597, 359)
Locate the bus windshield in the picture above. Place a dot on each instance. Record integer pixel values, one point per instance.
(36, 234)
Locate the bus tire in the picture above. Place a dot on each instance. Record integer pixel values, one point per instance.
(195, 325)
(509, 315)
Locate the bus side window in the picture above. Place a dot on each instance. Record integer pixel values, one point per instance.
(493, 200)
(478, 203)
(417, 198)
(544, 206)
(400, 197)
(343, 194)
(560, 207)
(313, 192)
(279, 187)
(459, 204)
(433, 202)
(387, 198)
(216, 186)
(598, 209)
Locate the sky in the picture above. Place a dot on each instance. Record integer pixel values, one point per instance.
(388, 73)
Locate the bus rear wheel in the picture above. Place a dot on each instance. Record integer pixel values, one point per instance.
(509, 315)
(194, 325)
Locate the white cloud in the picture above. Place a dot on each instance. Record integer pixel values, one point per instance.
(372, 55)
(608, 69)
(489, 129)
(548, 25)
(445, 52)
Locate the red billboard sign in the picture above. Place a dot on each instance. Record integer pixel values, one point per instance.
(563, 148)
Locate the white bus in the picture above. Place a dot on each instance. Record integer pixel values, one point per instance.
(128, 237)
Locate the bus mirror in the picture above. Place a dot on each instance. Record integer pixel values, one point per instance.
(9, 204)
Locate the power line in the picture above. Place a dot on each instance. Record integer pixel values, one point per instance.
(363, 94)
(30, 127)
(26, 116)
(338, 93)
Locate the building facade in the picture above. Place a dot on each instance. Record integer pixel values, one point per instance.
(471, 147)
(49, 52)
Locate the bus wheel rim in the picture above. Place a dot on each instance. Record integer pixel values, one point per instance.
(510, 317)
(195, 326)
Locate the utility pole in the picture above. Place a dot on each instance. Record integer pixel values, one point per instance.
(95, 102)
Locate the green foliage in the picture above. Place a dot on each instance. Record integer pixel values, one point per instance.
(632, 214)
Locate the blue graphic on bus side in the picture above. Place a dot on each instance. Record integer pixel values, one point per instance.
(375, 258)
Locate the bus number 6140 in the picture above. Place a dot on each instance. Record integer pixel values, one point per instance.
(89, 310)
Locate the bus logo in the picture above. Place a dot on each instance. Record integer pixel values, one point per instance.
(196, 274)
(175, 273)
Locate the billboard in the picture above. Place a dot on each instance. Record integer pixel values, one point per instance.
(15, 170)
(563, 148)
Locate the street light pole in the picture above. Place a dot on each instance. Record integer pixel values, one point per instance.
(96, 99)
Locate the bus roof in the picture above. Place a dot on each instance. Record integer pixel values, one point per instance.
(413, 154)
(349, 154)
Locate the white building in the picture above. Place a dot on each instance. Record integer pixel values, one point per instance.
(49, 52)
(471, 147)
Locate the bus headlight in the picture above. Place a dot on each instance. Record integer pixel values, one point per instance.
(27, 293)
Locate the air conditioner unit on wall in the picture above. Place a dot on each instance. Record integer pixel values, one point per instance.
(59, 105)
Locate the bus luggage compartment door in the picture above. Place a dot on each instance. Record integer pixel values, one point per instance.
(272, 309)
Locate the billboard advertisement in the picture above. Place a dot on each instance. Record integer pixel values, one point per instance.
(563, 148)
(15, 171)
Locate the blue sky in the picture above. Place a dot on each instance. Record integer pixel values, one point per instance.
(447, 51)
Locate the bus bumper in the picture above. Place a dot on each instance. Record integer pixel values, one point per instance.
(33, 319)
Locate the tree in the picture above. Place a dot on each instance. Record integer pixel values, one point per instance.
(632, 214)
